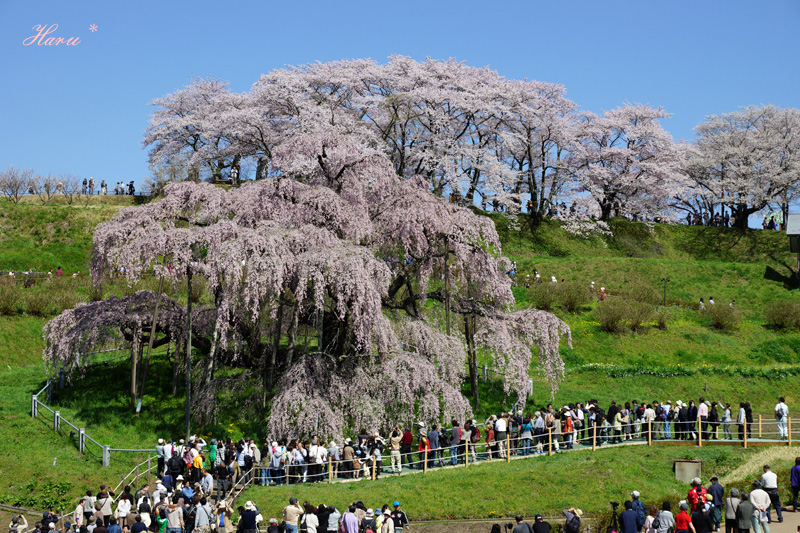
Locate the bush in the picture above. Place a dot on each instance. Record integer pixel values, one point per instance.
(637, 314)
(722, 317)
(662, 318)
(38, 303)
(783, 314)
(65, 300)
(611, 314)
(9, 295)
(544, 295)
(574, 295)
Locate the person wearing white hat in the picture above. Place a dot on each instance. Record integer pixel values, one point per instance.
(248, 519)
(222, 517)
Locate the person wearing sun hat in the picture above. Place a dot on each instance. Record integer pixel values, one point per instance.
(388, 524)
(573, 516)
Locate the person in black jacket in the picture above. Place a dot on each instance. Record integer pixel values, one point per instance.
(691, 421)
(701, 521)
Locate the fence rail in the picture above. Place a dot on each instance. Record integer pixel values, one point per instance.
(83, 438)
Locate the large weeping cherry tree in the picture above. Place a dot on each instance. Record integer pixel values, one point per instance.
(348, 293)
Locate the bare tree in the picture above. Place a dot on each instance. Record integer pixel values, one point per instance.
(15, 182)
(70, 187)
(44, 187)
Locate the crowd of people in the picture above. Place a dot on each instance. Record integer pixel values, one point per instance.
(184, 509)
(222, 463)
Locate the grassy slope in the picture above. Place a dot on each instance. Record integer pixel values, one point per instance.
(528, 486)
(47, 236)
(699, 261)
(752, 267)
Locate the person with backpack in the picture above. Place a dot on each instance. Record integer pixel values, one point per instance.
(521, 527)
(573, 523)
(697, 495)
(368, 524)
(640, 508)
(19, 524)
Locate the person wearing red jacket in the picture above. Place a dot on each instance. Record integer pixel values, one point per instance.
(697, 494)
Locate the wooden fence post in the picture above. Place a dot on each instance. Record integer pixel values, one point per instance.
(594, 436)
(425, 465)
(508, 448)
(466, 455)
(759, 426)
(149, 467)
(699, 432)
(330, 469)
(649, 432)
(373, 467)
(745, 433)
(550, 441)
(789, 430)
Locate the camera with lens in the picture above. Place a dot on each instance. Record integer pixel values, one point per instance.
(509, 525)
(614, 505)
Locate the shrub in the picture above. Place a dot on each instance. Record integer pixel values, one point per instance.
(637, 314)
(9, 295)
(783, 314)
(722, 317)
(544, 295)
(38, 303)
(65, 300)
(611, 314)
(662, 318)
(574, 295)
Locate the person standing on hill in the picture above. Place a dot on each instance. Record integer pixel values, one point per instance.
(455, 440)
(433, 442)
(781, 415)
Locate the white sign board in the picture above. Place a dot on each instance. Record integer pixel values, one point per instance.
(793, 225)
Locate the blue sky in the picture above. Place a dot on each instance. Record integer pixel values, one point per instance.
(82, 109)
